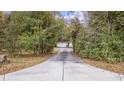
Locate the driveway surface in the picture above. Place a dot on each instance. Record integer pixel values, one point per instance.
(63, 67)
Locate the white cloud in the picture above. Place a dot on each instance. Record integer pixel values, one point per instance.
(82, 16)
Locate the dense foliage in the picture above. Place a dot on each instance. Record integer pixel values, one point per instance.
(1, 29)
(103, 39)
(30, 31)
(38, 32)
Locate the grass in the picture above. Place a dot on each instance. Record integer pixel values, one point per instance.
(24, 61)
(115, 67)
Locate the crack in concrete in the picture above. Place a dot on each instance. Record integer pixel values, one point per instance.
(63, 71)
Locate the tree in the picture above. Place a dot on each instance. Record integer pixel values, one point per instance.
(75, 28)
(1, 30)
(15, 26)
(31, 31)
(103, 39)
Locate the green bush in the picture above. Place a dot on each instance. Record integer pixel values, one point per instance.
(105, 47)
(103, 39)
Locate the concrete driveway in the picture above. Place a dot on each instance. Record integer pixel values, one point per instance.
(63, 67)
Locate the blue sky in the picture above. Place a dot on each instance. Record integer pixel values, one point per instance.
(65, 13)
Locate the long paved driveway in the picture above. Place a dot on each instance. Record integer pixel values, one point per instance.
(63, 67)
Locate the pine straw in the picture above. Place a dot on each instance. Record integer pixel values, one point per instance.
(115, 67)
(23, 61)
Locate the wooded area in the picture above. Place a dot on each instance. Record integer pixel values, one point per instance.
(103, 39)
(29, 31)
(38, 33)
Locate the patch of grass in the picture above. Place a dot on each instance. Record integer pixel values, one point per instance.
(24, 61)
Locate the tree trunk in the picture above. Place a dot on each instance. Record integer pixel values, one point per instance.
(109, 19)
